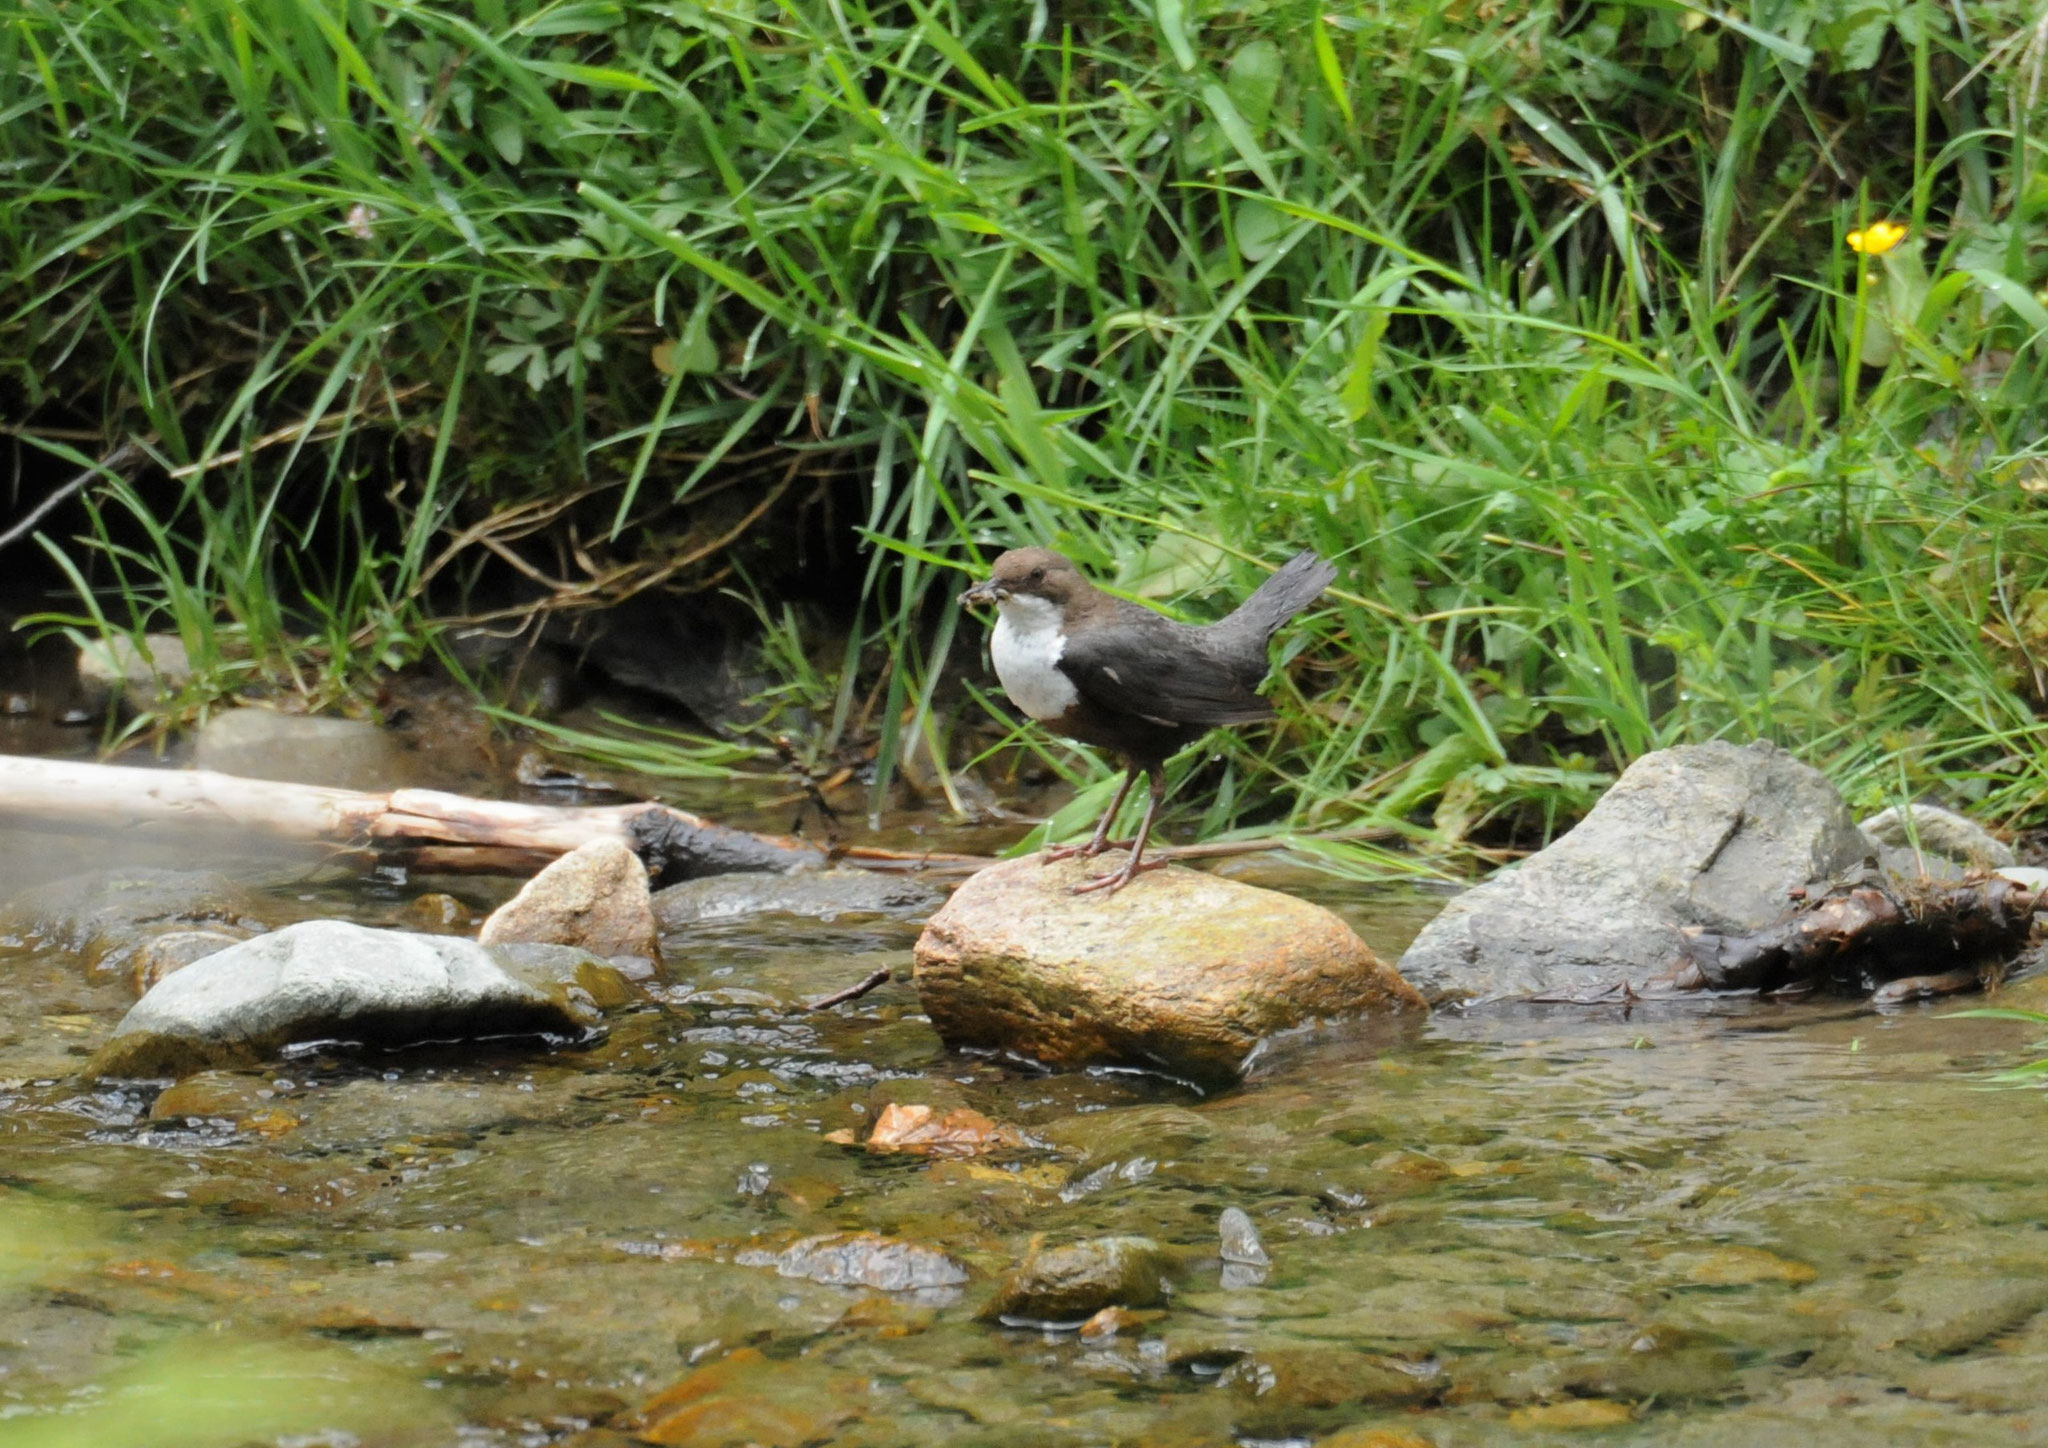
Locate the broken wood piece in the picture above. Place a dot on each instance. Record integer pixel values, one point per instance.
(875, 978)
(1863, 933)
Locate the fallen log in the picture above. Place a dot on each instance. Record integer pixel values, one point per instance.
(422, 829)
(1862, 934)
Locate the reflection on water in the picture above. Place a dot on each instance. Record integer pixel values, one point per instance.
(1712, 1226)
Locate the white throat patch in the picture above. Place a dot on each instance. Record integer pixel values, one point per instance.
(1027, 648)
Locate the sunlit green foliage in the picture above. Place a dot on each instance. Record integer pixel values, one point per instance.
(1541, 320)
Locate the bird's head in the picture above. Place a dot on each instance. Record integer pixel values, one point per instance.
(1027, 573)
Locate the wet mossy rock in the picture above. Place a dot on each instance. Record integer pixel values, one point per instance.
(1179, 972)
(1071, 1283)
(327, 980)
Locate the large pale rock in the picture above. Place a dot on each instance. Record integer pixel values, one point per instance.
(595, 897)
(259, 743)
(1714, 835)
(1179, 972)
(330, 980)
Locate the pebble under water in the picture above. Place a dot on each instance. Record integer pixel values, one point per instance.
(1720, 1224)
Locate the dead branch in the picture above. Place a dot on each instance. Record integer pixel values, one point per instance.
(1863, 933)
(423, 828)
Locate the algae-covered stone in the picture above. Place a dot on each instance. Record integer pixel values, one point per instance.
(1074, 1282)
(1180, 972)
(329, 980)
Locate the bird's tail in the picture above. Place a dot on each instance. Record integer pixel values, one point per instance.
(1298, 582)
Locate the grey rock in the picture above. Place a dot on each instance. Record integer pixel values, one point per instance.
(819, 894)
(258, 743)
(1074, 1282)
(1713, 835)
(595, 897)
(1240, 1239)
(1244, 1255)
(330, 980)
(106, 917)
(862, 1259)
(1943, 837)
(140, 673)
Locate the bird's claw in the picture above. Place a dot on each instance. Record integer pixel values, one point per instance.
(1116, 879)
(1053, 854)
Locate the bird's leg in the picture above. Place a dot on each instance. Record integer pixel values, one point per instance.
(1115, 880)
(1101, 841)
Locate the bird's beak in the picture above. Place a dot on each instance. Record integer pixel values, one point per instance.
(981, 595)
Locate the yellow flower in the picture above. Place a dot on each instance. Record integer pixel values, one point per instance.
(1879, 238)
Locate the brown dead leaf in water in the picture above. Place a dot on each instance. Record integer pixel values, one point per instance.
(963, 1131)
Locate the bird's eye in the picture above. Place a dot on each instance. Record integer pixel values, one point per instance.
(1038, 575)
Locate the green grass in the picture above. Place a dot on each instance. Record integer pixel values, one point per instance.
(1540, 321)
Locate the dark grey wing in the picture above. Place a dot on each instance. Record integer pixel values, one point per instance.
(1127, 671)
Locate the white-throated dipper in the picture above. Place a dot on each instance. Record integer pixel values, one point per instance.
(1125, 678)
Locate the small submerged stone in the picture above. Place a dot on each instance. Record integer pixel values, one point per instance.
(108, 917)
(1071, 1284)
(919, 1130)
(214, 1096)
(330, 980)
(1573, 1413)
(862, 1259)
(1734, 1266)
(1374, 1438)
(1244, 1255)
(1181, 972)
(743, 1400)
(818, 894)
(1289, 1391)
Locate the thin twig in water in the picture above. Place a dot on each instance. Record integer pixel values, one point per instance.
(851, 993)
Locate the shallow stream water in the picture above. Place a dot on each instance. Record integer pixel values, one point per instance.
(1724, 1224)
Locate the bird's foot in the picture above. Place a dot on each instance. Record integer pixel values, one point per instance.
(1116, 879)
(1053, 854)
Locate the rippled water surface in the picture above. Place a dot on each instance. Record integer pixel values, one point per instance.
(1730, 1225)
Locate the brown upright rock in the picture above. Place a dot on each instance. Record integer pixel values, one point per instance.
(594, 897)
(1179, 972)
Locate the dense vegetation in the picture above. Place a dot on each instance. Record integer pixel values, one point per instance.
(1542, 320)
